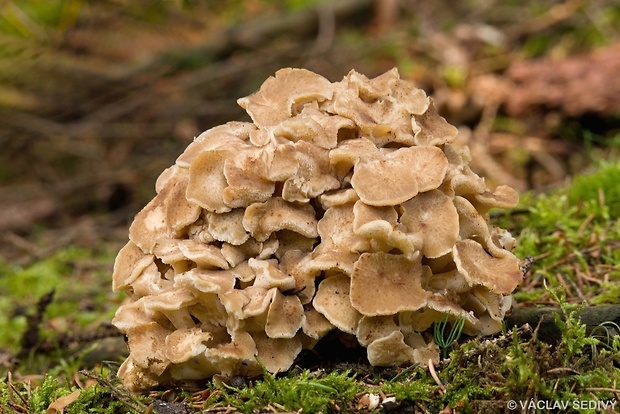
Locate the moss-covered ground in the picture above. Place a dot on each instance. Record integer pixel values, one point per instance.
(50, 324)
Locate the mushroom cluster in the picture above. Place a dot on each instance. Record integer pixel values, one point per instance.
(342, 206)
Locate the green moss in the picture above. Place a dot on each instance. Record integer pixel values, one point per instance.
(42, 396)
(98, 399)
(598, 193)
(609, 294)
(296, 391)
(81, 281)
(573, 233)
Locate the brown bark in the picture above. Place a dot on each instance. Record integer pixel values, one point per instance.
(601, 321)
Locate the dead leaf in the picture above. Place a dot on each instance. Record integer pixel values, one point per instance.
(59, 405)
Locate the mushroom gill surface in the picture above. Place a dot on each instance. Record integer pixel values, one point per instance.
(344, 206)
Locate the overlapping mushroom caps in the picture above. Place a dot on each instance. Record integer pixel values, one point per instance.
(343, 206)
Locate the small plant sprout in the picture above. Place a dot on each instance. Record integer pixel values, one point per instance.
(446, 341)
(606, 332)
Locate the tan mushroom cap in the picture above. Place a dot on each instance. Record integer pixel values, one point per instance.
(130, 262)
(205, 256)
(285, 316)
(372, 89)
(374, 222)
(184, 344)
(130, 315)
(215, 137)
(170, 300)
(418, 321)
(246, 176)
(330, 260)
(336, 232)
(257, 300)
(399, 175)
(451, 281)
(149, 282)
(293, 263)
(314, 126)
(503, 197)
(136, 378)
(433, 219)
(385, 181)
(230, 357)
(263, 219)
(206, 281)
(199, 231)
(489, 326)
(390, 350)
(502, 239)
(169, 252)
(422, 355)
(333, 301)
(472, 224)
(208, 313)
(236, 255)
(292, 241)
(338, 198)
(496, 305)
(467, 184)
(148, 345)
(335, 127)
(166, 216)
(274, 102)
(371, 328)
(312, 174)
(434, 129)
(414, 100)
(282, 163)
(207, 181)
(339, 245)
(172, 304)
(166, 175)
(349, 152)
(500, 275)
(228, 227)
(269, 275)
(394, 276)
(315, 324)
(277, 354)
(368, 102)
(446, 304)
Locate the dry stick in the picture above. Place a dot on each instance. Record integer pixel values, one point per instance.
(65, 340)
(553, 16)
(31, 336)
(599, 320)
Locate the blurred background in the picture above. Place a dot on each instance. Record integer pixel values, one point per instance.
(99, 97)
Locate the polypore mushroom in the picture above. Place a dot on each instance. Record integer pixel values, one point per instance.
(343, 207)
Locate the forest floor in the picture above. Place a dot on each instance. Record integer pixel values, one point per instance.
(96, 100)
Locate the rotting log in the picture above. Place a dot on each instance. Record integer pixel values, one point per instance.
(601, 321)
